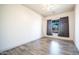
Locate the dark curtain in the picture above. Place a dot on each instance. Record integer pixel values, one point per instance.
(49, 27)
(64, 27)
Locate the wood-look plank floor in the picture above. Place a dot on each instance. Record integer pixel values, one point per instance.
(44, 46)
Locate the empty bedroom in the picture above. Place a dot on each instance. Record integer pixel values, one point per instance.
(39, 29)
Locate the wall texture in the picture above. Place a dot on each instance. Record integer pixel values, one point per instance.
(18, 25)
(71, 16)
(77, 26)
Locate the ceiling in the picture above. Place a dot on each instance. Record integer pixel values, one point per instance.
(50, 9)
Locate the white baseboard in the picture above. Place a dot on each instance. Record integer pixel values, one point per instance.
(56, 37)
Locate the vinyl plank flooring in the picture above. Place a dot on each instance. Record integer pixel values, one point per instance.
(44, 46)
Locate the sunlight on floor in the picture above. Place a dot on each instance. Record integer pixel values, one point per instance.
(54, 47)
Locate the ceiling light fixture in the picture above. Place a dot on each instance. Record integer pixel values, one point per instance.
(52, 7)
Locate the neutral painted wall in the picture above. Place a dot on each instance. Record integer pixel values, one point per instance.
(54, 17)
(77, 26)
(18, 25)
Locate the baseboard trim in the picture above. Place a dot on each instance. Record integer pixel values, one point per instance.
(61, 38)
(18, 45)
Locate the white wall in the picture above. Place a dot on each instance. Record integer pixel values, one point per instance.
(77, 26)
(54, 17)
(18, 25)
